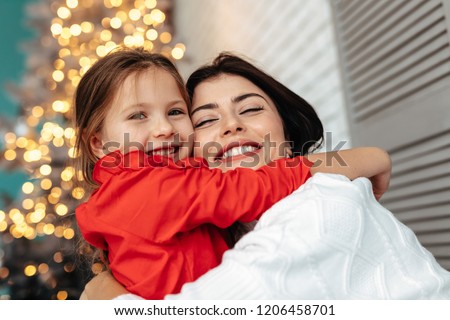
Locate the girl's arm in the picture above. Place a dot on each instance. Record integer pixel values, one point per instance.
(155, 201)
(103, 287)
(370, 162)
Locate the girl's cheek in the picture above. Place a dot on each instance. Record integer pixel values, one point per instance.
(197, 149)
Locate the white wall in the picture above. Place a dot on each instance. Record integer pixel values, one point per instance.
(293, 40)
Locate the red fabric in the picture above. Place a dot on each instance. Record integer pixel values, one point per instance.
(160, 221)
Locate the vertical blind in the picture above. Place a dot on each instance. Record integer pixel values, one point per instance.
(395, 58)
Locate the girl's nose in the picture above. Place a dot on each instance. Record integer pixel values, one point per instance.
(163, 129)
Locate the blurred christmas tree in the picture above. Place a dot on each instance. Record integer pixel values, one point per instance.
(38, 235)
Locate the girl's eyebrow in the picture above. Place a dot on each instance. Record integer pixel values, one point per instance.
(128, 108)
(237, 99)
(144, 104)
(133, 106)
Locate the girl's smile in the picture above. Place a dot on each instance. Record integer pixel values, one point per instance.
(148, 113)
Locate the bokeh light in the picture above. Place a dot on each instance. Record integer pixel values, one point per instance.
(42, 142)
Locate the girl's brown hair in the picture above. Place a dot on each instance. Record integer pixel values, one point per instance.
(96, 92)
(94, 95)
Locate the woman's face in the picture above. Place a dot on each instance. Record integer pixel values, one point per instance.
(236, 124)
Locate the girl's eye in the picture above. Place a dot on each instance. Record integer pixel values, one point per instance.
(202, 123)
(138, 116)
(252, 109)
(176, 112)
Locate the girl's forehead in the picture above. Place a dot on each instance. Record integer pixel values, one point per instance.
(140, 75)
(152, 77)
(147, 86)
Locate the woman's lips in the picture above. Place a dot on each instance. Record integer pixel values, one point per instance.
(237, 150)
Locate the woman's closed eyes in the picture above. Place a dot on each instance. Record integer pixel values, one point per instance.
(252, 109)
(208, 120)
(204, 122)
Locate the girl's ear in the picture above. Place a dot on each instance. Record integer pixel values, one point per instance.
(96, 144)
(288, 153)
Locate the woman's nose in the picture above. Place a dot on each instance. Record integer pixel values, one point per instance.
(232, 126)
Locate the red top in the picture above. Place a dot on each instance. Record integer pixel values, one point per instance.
(161, 221)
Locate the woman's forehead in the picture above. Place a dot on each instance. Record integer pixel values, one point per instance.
(229, 79)
(225, 86)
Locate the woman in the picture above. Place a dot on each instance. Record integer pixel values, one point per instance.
(316, 242)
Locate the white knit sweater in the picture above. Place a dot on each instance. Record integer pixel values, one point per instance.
(330, 239)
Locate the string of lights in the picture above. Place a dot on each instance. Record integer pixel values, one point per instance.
(72, 36)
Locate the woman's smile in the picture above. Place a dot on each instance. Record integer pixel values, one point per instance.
(238, 150)
(236, 124)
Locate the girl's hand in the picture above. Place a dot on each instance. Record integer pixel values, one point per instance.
(380, 183)
(370, 162)
(102, 287)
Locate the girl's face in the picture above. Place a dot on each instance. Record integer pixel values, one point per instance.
(236, 124)
(148, 113)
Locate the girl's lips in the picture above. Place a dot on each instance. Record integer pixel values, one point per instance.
(169, 151)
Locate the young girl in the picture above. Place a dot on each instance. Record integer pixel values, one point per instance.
(158, 214)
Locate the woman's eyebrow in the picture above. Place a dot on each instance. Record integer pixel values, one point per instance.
(207, 106)
(245, 96)
(236, 99)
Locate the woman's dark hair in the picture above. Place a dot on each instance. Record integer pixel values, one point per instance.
(302, 125)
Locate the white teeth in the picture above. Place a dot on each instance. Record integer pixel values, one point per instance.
(237, 151)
